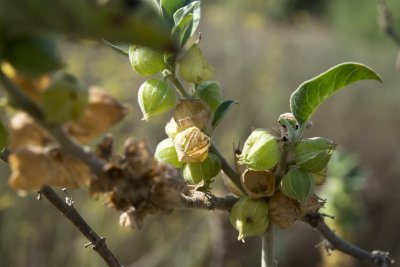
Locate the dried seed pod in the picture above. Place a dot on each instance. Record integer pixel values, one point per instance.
(297, 184)
(210, 93)
(194, 173)
(313, 154)
(313, 203)
(261, 151)
(283, 211)
(64, 99)
(250, 217)
(101, 105)
(172, 128)
(258, 183)
(192, 145)
(191, 112)
(194, 67)
(165, 152)
(155, 96)
(146, 61)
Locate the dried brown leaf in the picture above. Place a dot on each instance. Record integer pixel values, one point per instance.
(191, 112)
(33, 167)
(103, 112)
(24, 131)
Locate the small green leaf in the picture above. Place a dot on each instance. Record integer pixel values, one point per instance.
(186, 20)
(3, 136)
(310, 94)
(169, 7)
(120, 48)
(297, 184)
(221, 111)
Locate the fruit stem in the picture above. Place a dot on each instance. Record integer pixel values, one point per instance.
(267, 251)
(226, 167)
(172, 78)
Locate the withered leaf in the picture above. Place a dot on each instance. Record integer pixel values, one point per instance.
(103, 112)
(24, 131)
(191, 112)
(192, 145)
(33, 167)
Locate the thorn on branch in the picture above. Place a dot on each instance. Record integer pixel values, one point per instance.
(68, 198)
(96, 244)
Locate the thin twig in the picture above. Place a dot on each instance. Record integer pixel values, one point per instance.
(267, 252)
(385, 21)
(201, 200)
(98, 243)
(379, 258)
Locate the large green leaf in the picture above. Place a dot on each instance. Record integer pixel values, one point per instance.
(310, 94)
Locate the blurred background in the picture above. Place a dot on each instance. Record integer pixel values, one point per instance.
(261, 50)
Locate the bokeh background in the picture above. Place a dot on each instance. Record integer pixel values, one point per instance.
(262, 50)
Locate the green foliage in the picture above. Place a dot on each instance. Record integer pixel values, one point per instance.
(310, 94)
(297, 184)
(221, 111)
(210, 93)
(186, 20)
(32, 54)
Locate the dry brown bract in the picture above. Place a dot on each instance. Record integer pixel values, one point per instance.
(33, 167)
(138, 185)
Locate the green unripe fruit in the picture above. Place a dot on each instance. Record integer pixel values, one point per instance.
(210, 93)
(194, 173)
(250, 217)
(165, 152)
(64, 99)
(297, 184)
(313, 154)
(261, 151)
(32, 55)
(170, 6)
(155, 96)
(146, 61)
(194, 67)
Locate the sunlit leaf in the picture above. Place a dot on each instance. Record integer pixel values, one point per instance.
(310, 94)
(120, 48)
(186, 20)
(221, 111)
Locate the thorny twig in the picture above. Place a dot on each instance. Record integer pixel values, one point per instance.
(196, 200)
(98, 243)
(334, 242)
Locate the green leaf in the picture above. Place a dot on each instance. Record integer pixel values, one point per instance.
(310, 94)
(221, 111)
(186, 20)
(169, 7)
(183, 31)
(3, 137)
(121, 48)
